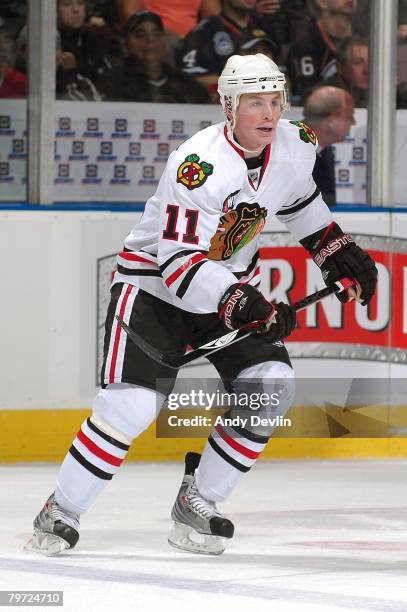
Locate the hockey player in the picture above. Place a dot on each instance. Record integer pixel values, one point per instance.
(188, 270)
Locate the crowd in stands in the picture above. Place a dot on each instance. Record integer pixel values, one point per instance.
(173, 51)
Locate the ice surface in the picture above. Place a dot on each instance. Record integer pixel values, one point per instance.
(310, 536)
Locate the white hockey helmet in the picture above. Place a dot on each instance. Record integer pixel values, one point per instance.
(248, 74)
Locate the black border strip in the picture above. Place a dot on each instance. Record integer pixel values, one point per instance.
(243, 433)
(106, 437)
(136, 272)
(250, 268)
(225, 456)
(89, 466)
(179, 254)
(186, 281)
(294, 209)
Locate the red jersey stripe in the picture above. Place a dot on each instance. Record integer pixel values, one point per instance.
(185, 266)
(99, 452)
(134, 257)
(247, 452)
(265, 163)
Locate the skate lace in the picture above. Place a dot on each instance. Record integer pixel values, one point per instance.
(200, 506)
(60, 514)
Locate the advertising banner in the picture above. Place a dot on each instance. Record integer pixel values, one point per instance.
(13, 150)
(116, 152)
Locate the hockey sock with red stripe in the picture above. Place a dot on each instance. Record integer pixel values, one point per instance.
(227, 456)
(90, 464)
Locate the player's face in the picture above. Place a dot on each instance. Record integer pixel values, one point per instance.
(71, 14)
(359, 66)
(256, 119)
(146, 43)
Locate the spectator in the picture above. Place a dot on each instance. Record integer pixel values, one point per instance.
(13, 84)
(286, 17)
(361, 19)
(329, 111)
(88, 47)
(262, 44)
(353, 70)
(178, 16)
(20, 62)
(144, 75)
(104, 12)
(13, 14)
(70, 84)
(313, 55)
(207, 47)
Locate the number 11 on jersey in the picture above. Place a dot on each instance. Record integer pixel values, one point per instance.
(170, 232)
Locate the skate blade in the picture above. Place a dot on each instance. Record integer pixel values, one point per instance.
(203, 544)
(46, 544)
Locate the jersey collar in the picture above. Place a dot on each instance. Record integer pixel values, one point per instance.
(238, 151)
(241, 154)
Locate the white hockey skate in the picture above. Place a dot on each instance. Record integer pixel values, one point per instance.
(55, 529)
(198, 526)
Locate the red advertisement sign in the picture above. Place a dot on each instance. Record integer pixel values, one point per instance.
(288, 273)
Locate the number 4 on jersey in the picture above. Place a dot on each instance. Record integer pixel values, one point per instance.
(170, 232)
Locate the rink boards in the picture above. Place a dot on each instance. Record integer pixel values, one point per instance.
(56, 269)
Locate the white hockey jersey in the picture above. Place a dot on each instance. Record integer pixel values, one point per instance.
(199, 232)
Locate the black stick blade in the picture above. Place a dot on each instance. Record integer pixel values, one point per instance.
(145, 346)
(177, 361)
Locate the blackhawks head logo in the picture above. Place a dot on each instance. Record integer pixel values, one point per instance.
(307, 134)
(192, 173)
(236, 229)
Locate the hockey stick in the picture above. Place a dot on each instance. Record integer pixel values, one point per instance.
(177, 361)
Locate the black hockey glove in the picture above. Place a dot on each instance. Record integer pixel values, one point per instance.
(286, 320)
(243, 304)
(337, 255)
